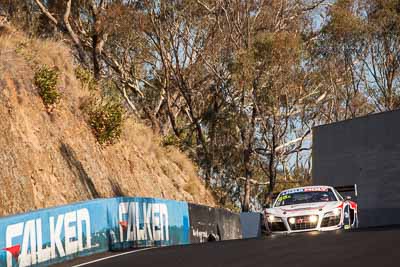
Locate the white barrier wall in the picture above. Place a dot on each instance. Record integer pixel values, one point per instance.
(54, 235)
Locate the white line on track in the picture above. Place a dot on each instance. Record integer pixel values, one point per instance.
(109, 257)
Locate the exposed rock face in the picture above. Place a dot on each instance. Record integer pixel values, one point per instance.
(49, 159)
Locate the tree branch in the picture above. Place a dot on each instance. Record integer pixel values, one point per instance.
(46, 12)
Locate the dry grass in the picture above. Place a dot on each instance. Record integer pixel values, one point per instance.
(169, 162)
(23, 55)
(53, 159)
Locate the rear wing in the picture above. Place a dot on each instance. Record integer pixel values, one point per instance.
(347, 189)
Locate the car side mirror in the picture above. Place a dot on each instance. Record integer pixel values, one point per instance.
(348, 197)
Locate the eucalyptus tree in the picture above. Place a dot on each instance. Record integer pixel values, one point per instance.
(362, 38)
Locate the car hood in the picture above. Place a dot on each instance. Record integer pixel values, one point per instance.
(304, 209)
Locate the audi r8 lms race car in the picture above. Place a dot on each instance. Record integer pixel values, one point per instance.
(310, 208)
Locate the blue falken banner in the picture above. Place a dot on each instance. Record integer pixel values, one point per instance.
(54, 235)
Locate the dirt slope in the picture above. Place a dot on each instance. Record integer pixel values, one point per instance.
(52, 159)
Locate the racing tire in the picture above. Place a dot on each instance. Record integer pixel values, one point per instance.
(346, 218)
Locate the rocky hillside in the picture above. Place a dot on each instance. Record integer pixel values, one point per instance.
(48, 159)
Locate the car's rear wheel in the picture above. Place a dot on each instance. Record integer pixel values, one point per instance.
(355, 223)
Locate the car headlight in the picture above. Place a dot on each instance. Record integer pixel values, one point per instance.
(334, 213)
(272, 218)
(313, 219)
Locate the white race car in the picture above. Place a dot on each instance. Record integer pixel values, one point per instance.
(310, 208)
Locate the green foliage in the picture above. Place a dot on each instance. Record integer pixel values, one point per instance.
(86, 78)
(109, 89)
(263, 47)
(46, 79)
(106, 119)
(344, 25)
(22, 49)
(170, 140)
(185, 140)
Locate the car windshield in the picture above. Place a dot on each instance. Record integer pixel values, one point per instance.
(305, 195)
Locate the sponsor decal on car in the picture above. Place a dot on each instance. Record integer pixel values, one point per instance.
(292, 191)
(305, 189)
(316, 189)
(284, 197)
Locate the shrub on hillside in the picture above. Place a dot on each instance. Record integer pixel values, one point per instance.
(106, 120)
(46, 79)
(86, 78)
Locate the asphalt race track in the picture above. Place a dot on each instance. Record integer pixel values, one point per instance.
(369, 247)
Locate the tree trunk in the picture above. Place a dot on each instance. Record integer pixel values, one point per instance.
(247, 186)
(246, 198)
(95, 56)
